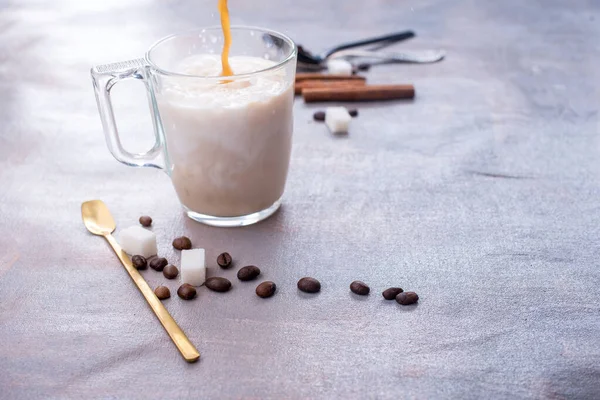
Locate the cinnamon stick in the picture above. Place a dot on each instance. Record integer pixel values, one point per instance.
(311, 84)
(359, 93)
(327, 77)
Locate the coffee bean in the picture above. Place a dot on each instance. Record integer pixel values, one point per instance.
(170, 272)
(218, 284)
(363, 67)
(391, 293)
(309, 285)
(266, 289)
(248, 273)
(360, 288)
(224, 260)
(407, 298)
(158, 263)
(182, 243)
(162, 292)
(319, 116)
(145, 220)
(353, 113)
(186, 291)
(139, 262)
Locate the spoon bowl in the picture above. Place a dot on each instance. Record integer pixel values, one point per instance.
(97, 218)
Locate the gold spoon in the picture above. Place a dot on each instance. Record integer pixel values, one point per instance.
(97, 219)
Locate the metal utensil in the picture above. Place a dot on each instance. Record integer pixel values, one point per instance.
(306, 57)
(416, 56)
(98, 220)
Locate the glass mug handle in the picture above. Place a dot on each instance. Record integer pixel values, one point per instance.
(104, 78)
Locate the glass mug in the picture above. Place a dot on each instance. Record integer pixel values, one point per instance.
(224, 141)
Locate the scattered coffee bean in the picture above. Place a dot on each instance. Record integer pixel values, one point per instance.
(266, 289)
(248, 273)
(309, 285)
(224, 260)
(186, 291)
(162, 292)
(218, 284)
(170, 272)
(391, 293)
(145, 220)
(407, 298)
(353, 113)
(319, 116)
(360, 288)
(139, 262)
(363, 67)
(158, 263)
(182, 243)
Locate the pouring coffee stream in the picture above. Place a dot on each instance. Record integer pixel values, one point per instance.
(225, 25)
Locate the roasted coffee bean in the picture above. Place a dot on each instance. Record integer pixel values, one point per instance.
(186, 291)
(248, 273)
(224, 260)
(145, 220)
(353, 113)
(407, 298)
(139, 262)
(360, 288)
(266, 289)
(319, 116)
(158, 263)
(170, 272)
(162, 292)
(218, 284)
(309, 285)
(363, 67)
(391, 293)
(182, 243)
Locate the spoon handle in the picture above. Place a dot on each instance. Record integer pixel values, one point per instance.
(185, 347)
(416, 57)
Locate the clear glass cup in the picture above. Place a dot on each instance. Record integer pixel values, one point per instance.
(225, 143)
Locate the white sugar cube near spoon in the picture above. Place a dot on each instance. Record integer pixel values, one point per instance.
(193, 268)
(137, 240)
(337, 119)
(339, 67)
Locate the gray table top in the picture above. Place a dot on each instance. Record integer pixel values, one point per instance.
(481, 195)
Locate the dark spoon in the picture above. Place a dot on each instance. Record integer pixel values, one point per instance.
(306, 57)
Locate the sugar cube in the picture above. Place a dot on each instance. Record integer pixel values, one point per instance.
(339, 67)
(193, 270)
(137, 240)
(337, 119)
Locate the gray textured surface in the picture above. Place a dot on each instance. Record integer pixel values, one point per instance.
(482, 196)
